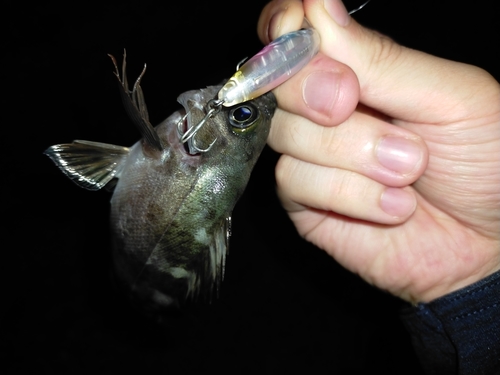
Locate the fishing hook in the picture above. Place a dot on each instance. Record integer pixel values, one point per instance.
(214, 106)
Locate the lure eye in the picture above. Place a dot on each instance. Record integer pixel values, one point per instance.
(243, 116)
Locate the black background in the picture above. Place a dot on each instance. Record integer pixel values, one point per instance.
(285, 306)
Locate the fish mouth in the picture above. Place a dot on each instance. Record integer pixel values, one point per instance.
(182, 129)
(193, 131)
(196, 139)
(187, 139)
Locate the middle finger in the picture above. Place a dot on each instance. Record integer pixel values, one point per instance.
(363, 144)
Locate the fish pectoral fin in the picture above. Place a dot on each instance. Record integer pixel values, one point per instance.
(90, 165)
(219, 252)
(135, 105)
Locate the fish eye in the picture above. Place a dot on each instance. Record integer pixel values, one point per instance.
(243, 116)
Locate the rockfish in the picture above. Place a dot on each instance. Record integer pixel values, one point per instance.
(172, 202)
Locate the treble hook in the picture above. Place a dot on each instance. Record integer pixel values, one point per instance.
(214, 106)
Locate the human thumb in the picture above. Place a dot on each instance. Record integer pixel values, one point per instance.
(393, 79)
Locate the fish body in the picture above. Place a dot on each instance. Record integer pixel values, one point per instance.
(171, 206)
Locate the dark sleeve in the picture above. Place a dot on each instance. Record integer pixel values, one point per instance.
(459, 333)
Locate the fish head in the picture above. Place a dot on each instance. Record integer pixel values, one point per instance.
(238, 132)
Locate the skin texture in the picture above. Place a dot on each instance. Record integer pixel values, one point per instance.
(391, 158)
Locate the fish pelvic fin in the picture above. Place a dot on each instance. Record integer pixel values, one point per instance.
(135, 105)
(91, 165)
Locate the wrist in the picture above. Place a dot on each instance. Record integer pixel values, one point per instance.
(446, 289)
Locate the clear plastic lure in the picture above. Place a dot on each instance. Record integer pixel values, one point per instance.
(268, 69)
(272, 66)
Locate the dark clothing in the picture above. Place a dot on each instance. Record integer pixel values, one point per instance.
(459, 333)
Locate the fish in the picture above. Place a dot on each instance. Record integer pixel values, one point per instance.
(171, 201)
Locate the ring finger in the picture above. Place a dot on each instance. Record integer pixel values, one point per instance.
(303, 185)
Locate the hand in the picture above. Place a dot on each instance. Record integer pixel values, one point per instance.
(404, 187)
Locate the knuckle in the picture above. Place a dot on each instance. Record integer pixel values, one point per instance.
(384, 57)
(329, 143)
(384, 50)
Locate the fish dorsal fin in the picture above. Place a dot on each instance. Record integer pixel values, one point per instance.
(90, 165)
(135, 105)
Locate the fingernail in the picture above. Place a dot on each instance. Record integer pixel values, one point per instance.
(274, 26)
(397, 202)
(401, 155)
(338, 12)
(320, 91)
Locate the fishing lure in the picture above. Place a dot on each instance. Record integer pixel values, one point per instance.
(274, 64)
